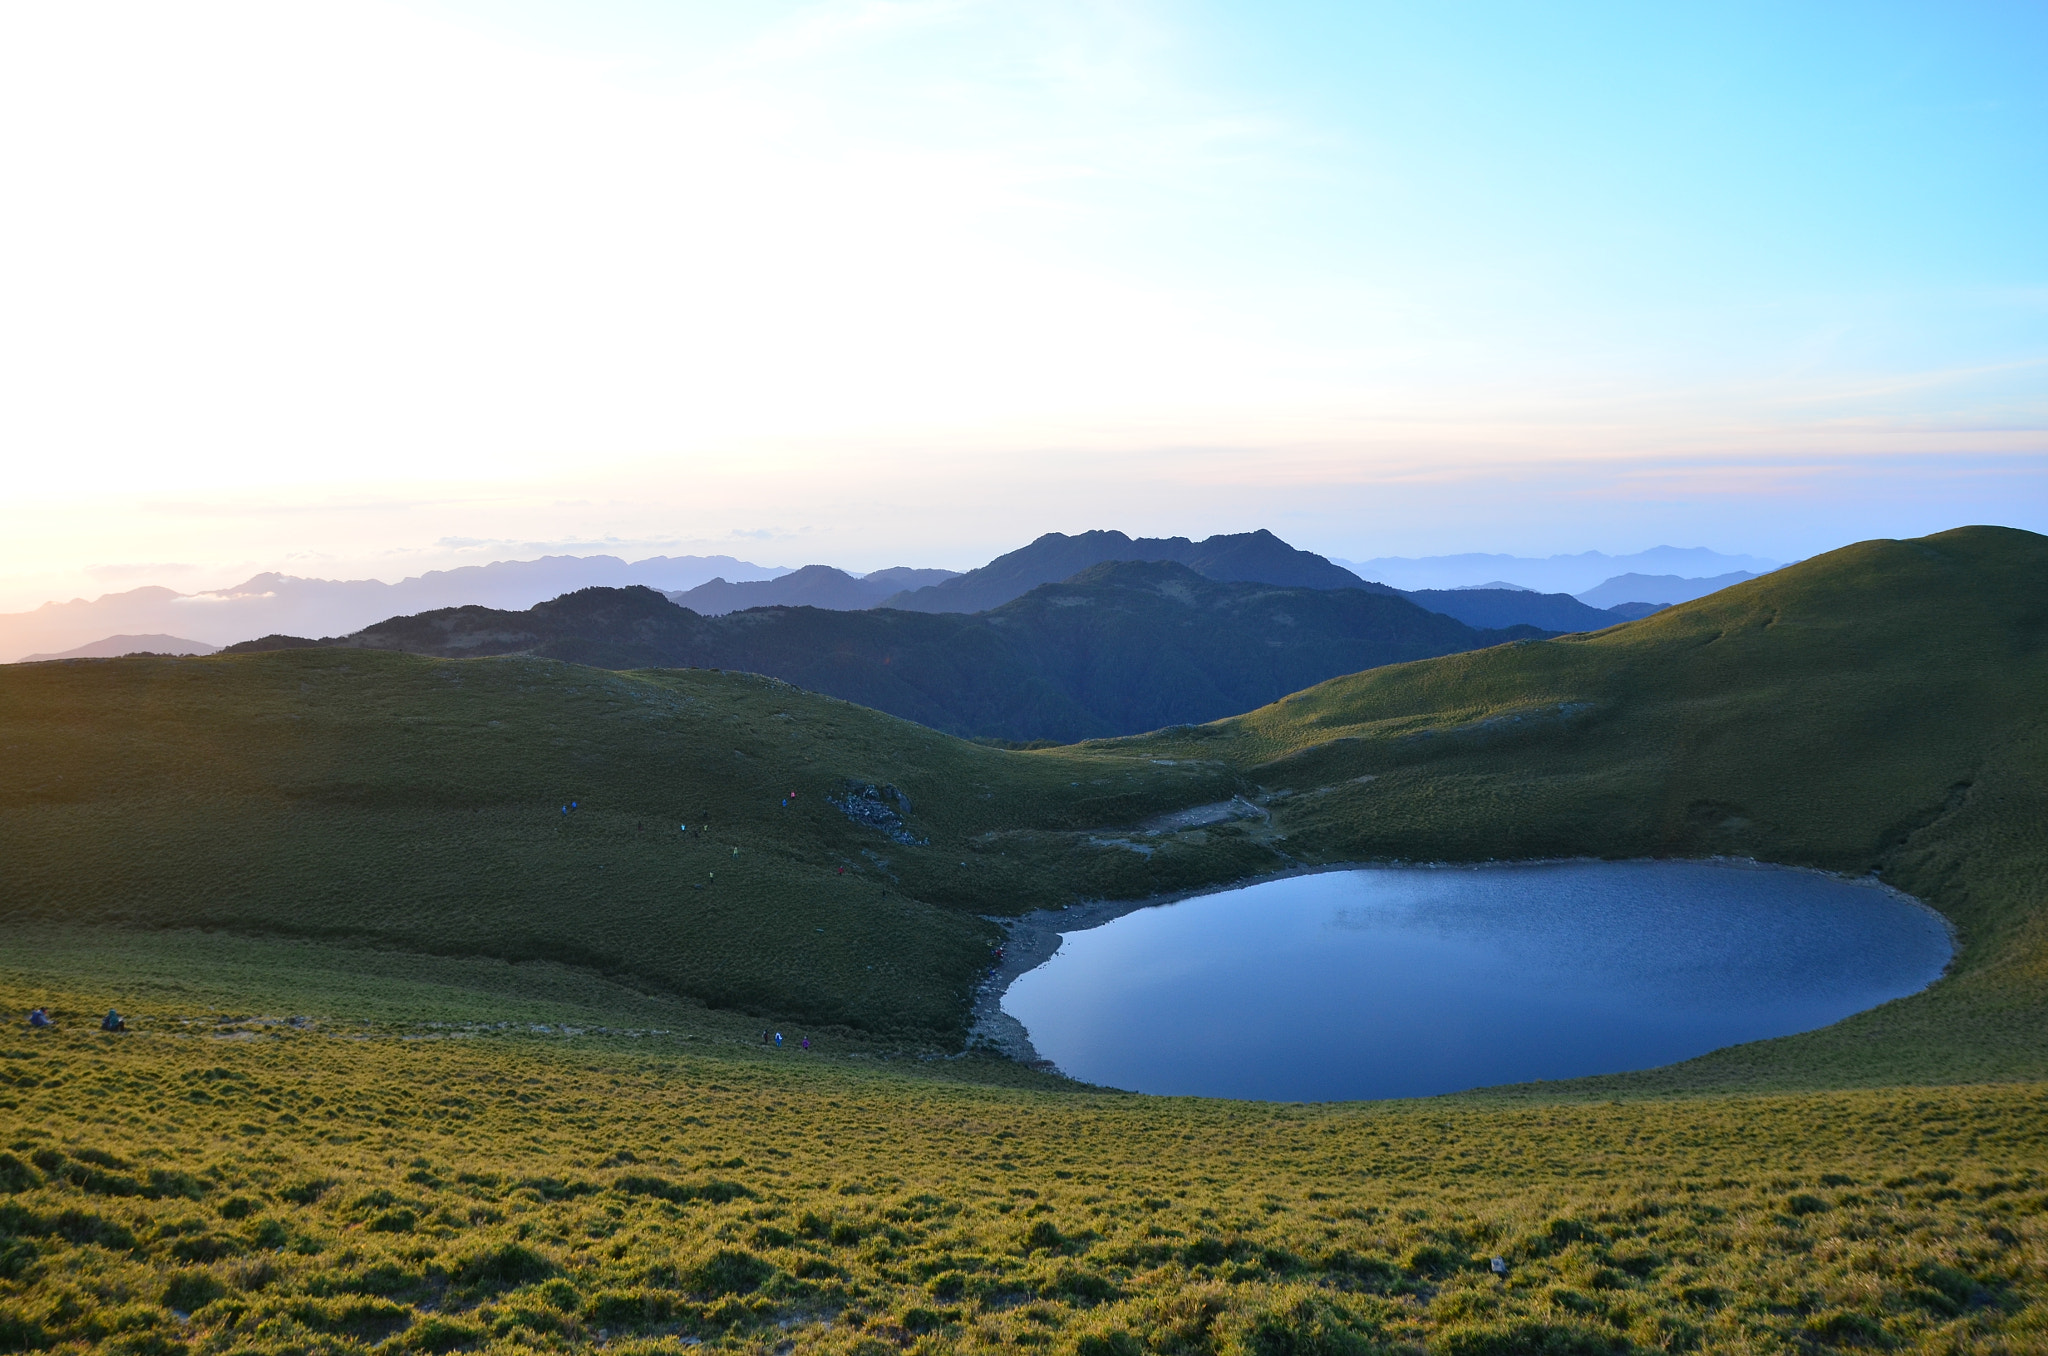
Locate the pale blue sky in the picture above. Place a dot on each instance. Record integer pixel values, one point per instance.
(1852, 183)
(318, 285)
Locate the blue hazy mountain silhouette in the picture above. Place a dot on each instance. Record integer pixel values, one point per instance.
(811, 586)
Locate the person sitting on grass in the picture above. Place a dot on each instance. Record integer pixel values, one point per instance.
(112, 1022)
(39, 1018)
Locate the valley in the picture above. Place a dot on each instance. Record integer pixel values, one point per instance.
(526, 1102)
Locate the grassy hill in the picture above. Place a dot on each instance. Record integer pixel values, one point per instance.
(1881, 708)
(505, 1117)
(418, 803)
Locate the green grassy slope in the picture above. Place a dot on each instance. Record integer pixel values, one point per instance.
(417, 803)
(1880, 707)
(1883, 707)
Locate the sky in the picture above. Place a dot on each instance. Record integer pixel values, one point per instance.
(362, 288)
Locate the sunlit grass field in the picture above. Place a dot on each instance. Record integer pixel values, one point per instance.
(201, 1184)
(527, 1103)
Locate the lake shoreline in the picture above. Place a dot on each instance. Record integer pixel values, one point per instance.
(1034, 938)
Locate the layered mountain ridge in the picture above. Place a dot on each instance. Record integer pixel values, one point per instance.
(1121, 647)
(811, 586)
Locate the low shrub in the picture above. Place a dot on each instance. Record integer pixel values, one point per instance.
(1848, 1328)
(728, 1271)
(504, 1266)
(16, 1175)
(189, 1290)
(438, 1334)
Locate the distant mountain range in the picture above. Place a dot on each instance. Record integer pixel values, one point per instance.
(1668, 589)
(812, 586)
(1257, 557)
(1514, 607)
(718, 585)
(282, 602)
(1121, 647)
(1574, 574)
(113, 647)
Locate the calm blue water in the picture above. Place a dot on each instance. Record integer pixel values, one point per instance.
(1407, 981)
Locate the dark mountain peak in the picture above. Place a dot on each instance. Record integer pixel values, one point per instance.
(1150, 578)
(1262, 558)
(1259, 557)
(900, 577)
(599, 600)
(630, 627)
(1128, 574)
(1139, 583)
(1098, 539)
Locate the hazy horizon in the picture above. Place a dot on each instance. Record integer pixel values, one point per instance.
(1461, 564)
(269, 603)
(367, 289)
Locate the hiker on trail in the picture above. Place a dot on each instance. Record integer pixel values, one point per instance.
(778, 1040)
(38, 1018)
(807, 1042)
(112, 1022)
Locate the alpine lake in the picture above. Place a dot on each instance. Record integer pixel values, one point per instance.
(1409, 981)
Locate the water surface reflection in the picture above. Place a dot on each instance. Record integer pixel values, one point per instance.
(1406, 981)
